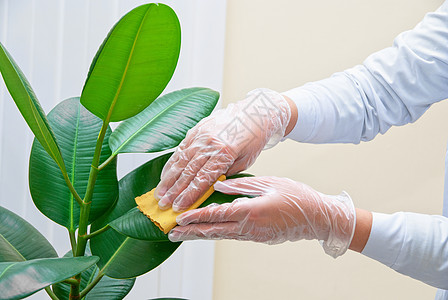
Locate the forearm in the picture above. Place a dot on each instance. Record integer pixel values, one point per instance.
(393, 87)
(415, 245)
(412, 244)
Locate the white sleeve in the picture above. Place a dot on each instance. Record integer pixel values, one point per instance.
(413, 244)
(394, 86)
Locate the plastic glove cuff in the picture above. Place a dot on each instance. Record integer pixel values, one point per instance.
(338, 239)
(274, 102)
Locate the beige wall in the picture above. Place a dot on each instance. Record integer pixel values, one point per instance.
(283, 44)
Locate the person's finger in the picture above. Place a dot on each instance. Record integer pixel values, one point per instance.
(216, 231)
(214, 213)
(205, 177)
(244, 161)
(238, 166)
(172, 172)
(181, 148)
(166, 181)
(183, 172)
(251, 186)
(183, 181)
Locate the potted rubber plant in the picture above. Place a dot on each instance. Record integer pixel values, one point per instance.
(73, 161)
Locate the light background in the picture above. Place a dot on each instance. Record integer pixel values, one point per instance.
(277, 44)
(283, 44)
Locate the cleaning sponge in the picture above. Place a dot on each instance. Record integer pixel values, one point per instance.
(166, 219)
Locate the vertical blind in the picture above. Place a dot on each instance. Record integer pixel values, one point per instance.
(53, 42)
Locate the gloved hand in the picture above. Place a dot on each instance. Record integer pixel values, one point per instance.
(226, 142)
(283, 210)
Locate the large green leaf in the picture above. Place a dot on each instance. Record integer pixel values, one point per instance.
(163, 124)
(122, 256)
(136, 225)
(76, 130)
(25, 99)
(21, 279)
(134, 64)
(108, 288)
(20, 241)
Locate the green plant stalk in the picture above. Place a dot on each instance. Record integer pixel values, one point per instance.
(74, 289)
(92, 284)
(99, 231)
(72, 236)
(82, 230)
(107, 161)
(85, 206)
(71, 281)
(71, 187)
(51, 293)
(92, 275)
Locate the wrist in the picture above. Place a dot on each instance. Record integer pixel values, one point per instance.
(271, 112)
(362, 230)
(341, 224)
(294, 114)
(306, 106)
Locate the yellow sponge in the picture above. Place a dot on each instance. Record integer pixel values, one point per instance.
(166, 219)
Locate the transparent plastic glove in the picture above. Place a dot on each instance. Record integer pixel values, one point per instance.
(283, 210)
(226, 142)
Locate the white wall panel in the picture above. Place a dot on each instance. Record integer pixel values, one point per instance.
(53, 42)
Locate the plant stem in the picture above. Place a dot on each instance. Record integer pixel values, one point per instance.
(101, 230)
(72, 235)
(85, 207)
(107, 161)
(74, 289)
(51, 293)
(92, 284)
(92, 275)
(72, 189)
(71, 281)
(82, 230)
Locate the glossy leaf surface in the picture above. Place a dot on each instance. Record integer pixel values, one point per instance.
(122, 256)
(76, 130)
(29, 106)
(164, 124)
(108, 288)
(136, 225)
(21, 279)
(20, 241)
(134, 64)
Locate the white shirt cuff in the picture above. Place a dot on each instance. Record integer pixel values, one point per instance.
(306, 114)
(412, 244)
(386, 238)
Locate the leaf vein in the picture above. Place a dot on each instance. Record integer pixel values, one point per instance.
(114, 101)
(152, 120)
(16, 250)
